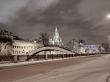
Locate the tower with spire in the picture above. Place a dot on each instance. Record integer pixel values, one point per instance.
(56, 39)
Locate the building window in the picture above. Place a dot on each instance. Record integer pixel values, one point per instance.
(13, 51)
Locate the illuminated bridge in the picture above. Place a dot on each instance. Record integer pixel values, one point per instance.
(33, 53)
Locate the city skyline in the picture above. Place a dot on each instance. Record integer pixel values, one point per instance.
(79, 19)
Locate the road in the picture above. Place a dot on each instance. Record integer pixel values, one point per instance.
(81, 69)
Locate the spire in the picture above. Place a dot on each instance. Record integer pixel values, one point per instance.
(56, 40)
(56, 31)
(56, 36)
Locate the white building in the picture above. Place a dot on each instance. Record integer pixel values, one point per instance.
(91, 48)
(17, 51)
(23, 47)
(88, 48)
(82, 48)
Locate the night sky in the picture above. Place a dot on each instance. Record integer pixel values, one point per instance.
(75, 19)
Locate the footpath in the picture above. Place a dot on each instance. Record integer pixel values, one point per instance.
(4, 65)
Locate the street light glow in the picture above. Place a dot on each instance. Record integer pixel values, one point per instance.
(108, 16)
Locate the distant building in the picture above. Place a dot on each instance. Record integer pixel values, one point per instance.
(82, 48)
(23, 47)
(56, 39)
(91, 48)
(17, 51)
(18, 47)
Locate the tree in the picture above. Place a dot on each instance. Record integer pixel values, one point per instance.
(106, 47)
(81, 41)
(43, 39)
(5, 45)
(15, 37)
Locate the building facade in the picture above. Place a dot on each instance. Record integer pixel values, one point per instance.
(83, 48)
(23, 47)
(91, 48)
(17, 51)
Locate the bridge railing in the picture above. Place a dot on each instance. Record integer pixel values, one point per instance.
(35, 54)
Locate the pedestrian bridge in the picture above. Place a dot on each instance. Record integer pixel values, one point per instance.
(31, 54)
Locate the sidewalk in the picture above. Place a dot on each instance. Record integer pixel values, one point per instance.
(33, 62)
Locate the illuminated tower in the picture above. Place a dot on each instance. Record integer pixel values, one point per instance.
(56, 40)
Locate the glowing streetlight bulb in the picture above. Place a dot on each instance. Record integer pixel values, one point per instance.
(108, 16)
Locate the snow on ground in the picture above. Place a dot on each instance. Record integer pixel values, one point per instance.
(96, 70)
(32, 62)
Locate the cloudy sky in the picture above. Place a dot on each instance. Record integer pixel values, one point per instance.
(78, 19)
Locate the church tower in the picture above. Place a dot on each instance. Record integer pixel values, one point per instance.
(56, 39)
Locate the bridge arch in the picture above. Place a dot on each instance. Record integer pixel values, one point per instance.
(47, 49)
